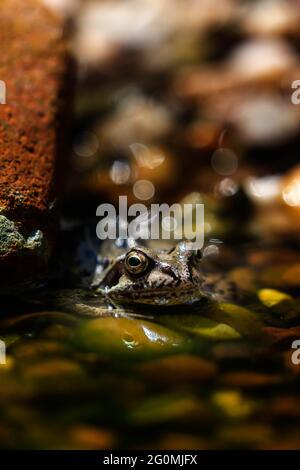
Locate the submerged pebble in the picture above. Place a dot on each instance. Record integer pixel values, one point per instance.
(179, 369)
(169, 408)
(121, 335)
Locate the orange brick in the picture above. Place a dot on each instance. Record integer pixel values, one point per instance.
(35, 70)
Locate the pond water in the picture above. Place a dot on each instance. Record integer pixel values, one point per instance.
(201, 376)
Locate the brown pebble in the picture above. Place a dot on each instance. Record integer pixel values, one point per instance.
(180, 370)
(90, 438)
(282, 335)
(53, 369)
(249, 379)
(180, 441)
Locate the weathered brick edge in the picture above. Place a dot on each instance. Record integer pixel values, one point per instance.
(34, 66)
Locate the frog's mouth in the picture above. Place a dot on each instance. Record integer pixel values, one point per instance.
(155, 296)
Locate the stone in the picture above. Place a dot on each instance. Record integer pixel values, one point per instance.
(126, 336)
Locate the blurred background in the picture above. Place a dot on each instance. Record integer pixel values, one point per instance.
(186, 97)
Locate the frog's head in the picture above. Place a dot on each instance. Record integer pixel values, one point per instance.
(150, 277)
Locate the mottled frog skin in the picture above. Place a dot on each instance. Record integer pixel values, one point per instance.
(141, 275)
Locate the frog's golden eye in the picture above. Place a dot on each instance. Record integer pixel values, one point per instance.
(136, 262)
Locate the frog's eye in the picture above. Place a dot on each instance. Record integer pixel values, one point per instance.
(136, 262)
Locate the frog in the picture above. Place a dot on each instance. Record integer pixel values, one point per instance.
(113, 277)
(142, 275)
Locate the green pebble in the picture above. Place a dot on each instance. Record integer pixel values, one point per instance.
(124, 335)
(203, 327)
(216, 331)
(168, 408)
(279, 303)
(245, 321)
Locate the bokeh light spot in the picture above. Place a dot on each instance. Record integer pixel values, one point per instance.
(86, 145)
(224, 161)
(144, 190)
(120, 172)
